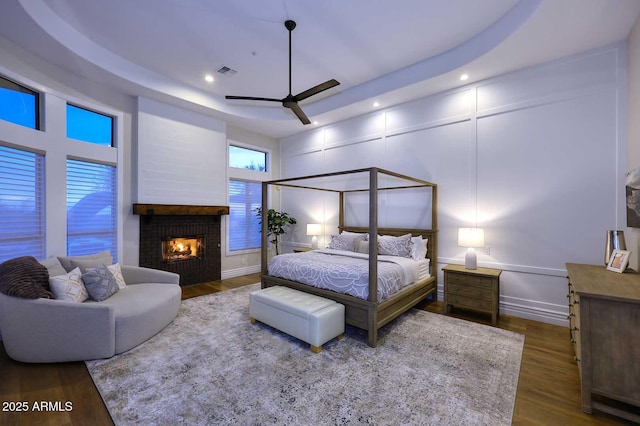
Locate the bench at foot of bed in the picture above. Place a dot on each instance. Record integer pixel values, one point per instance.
(312, 319)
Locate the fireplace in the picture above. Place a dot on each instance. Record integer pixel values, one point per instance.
(183, 248)
(181, 239)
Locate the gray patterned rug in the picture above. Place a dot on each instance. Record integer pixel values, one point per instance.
(211, 366)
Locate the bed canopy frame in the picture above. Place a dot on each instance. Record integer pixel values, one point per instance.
(370, 314)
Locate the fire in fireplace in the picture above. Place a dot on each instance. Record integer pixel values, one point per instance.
(184, 248)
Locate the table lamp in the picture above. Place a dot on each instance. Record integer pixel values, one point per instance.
(471, 238)
(314, 229)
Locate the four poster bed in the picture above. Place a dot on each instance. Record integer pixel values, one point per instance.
(381, 297)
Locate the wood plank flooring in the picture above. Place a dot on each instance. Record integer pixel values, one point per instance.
(548, 388)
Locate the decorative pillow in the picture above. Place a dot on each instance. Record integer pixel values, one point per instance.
(104, 255)
(347, 241)
(418, 248)
(339, 242)
(53, 266)
(69, 287)
(86, 264)
(395, 246)
(116, 270)
(362, 235)
(24, 277)
(100, 283)
(363, 247)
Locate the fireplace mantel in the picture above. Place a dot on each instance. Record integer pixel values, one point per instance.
(178, 210)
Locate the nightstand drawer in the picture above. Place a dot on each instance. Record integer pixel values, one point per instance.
(470, 291)
(469, 302)
(470, 280)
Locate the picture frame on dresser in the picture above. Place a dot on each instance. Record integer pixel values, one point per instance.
(619, 260)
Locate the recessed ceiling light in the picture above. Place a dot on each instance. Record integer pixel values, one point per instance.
(464, 77)
(208, 78)
(376, 104)
(315, 123)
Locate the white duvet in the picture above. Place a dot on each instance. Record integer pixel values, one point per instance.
(348, 272)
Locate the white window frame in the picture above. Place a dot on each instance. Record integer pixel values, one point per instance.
(51, 140)
(234, 173)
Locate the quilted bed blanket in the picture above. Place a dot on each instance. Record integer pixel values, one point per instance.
(347, 272)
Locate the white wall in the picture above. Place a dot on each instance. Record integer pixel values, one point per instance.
(537, 158)
(181, 156)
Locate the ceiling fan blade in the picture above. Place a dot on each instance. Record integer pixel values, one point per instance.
(298, 111)
(317, 89)
(252, 98)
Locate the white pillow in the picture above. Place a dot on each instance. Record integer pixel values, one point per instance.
(363, 247)
(69, 287)
(418, 248)
(116, 270)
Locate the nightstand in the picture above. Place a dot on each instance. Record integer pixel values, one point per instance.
(476, 289)
(301, 249)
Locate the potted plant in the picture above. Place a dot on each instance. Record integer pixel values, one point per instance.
(277, 222)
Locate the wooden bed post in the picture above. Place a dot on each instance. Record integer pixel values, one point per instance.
(264, 251)
(373, 235)
(341, 212)
(434, 227)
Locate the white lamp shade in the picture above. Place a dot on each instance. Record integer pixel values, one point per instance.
(471, 237)
(314, 229)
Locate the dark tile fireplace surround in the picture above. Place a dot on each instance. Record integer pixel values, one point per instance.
(163, 223)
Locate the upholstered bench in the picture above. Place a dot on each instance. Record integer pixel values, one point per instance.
(312, 319)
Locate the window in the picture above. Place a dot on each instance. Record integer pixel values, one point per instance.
(244, 224)
(248, 167)
(22, 223)
(91, 208)
(89, 126)
(18, 104)
(245, 158)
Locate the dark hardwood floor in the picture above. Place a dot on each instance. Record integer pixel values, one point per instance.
(548, 388)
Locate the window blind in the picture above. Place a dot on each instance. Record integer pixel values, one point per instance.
(245, 198)
(91, 208)
(22, 221)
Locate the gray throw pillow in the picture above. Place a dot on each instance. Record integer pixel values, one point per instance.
(102, 257)
(54, 267)
(86, 264)
(100, 283)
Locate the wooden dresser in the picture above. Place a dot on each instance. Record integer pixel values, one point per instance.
(604, 322)
(477, 289)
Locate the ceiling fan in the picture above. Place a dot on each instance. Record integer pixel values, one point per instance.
(291, 101)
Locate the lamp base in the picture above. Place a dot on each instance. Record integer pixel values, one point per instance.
(314, 243)
(470, 259)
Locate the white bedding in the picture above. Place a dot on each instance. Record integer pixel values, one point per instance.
(348, 272)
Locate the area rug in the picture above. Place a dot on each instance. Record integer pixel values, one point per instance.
(211, 366)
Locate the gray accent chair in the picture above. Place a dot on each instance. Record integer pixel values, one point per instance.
(47, 330)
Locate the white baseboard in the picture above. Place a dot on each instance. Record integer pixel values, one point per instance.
(232, 273)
